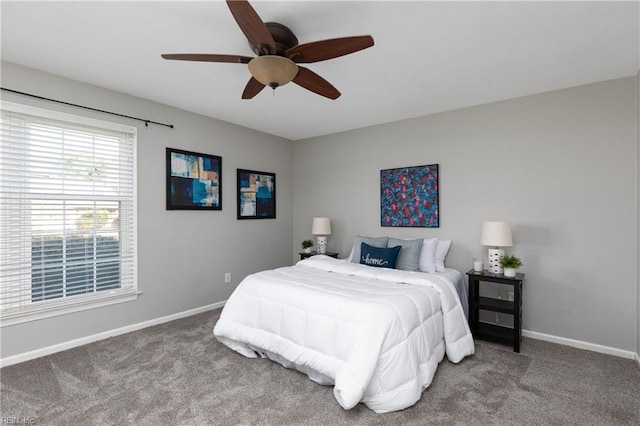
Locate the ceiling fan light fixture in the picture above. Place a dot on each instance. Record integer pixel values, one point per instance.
(272, 70)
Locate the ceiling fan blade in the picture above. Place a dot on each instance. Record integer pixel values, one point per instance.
(252, 88)
(316, 84)
(205, 57)
(252, 26)
(328, 49)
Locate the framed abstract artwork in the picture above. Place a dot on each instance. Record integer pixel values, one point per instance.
(194, 181)
(409, 197)
(256, 195)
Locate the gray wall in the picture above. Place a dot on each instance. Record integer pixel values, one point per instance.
(183, 255)
(638, 218)
(560, 166)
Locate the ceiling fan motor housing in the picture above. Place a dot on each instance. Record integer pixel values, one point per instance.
(282, 36)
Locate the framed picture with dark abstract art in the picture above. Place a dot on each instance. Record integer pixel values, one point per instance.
(409, 197)
(256, 195)
(194, 181)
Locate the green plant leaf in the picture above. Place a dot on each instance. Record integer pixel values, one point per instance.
(509, 261)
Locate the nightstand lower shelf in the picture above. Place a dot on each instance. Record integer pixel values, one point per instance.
(495, 305)
(494, 333)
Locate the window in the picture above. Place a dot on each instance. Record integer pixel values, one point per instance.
(67, 213)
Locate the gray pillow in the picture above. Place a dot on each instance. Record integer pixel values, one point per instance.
(409, 257)
(380, 242)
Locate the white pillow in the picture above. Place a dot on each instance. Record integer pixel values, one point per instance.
(442, 248)
(350, 254)
(427, 260)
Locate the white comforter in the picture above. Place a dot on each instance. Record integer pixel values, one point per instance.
(376, 334)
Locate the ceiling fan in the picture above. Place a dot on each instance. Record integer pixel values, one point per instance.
(279, 54)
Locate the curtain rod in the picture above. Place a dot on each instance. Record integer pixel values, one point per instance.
(146, 122)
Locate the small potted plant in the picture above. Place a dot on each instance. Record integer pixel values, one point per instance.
(510, 264)
(306, 246)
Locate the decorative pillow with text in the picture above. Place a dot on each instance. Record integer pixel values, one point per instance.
(379, 257)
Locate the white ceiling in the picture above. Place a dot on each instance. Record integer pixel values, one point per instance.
(428, 56)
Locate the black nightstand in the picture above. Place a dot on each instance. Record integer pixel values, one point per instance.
(493, 332)
(313, 253)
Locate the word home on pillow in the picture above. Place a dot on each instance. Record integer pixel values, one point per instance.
(379, 257)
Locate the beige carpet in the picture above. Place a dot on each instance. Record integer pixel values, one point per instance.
(178, 374)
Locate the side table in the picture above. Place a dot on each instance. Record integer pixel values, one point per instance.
(493, 332)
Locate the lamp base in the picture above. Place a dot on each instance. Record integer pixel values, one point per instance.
(495, 256)
(322, 245)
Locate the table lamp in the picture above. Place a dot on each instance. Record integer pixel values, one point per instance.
(496, 235)
(321, 227)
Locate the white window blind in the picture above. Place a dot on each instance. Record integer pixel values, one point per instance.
(67, 211)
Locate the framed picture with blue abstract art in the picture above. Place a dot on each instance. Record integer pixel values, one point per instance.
(194, 181)
(256, 195)
(409, 197)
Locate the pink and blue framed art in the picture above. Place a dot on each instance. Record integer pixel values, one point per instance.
(409, 197)
(194, 181)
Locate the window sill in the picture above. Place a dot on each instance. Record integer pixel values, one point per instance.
(66, 306)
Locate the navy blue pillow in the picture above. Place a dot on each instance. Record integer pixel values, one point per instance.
(379, 257)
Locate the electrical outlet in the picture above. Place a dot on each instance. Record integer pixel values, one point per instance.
(510, 296)
(227, 277)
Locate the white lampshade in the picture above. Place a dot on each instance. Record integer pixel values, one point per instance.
(496, 234)
(321, 226)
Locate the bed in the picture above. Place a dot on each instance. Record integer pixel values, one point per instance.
(376, 334)
(457, 279)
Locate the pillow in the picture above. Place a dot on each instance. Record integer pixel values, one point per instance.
(442, 248)
(357, 244)
(427, 260)
(409, 253)
(379, 257)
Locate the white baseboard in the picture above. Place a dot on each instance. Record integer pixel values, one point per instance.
(580, 344)
(26, 356)
(15, 359)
